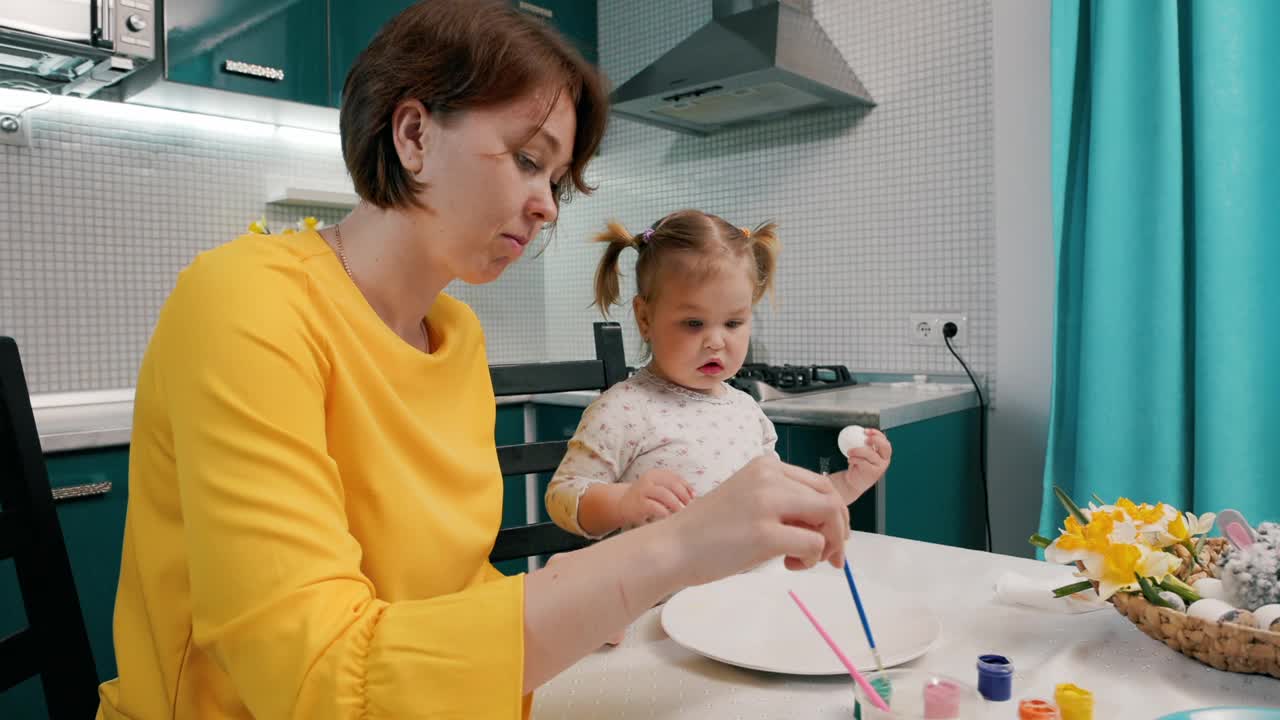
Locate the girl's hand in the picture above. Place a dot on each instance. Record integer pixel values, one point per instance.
(655, 495)
(867, 465)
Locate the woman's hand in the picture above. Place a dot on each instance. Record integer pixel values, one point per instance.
(586, 597)
(766, 509)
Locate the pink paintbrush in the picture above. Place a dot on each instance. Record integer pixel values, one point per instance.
(853, 671)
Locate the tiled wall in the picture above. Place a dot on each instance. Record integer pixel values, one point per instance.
(882, 212)
(110, 201)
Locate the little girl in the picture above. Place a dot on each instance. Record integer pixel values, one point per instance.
(674, 431)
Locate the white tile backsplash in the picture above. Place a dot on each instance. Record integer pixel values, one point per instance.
(883, 212)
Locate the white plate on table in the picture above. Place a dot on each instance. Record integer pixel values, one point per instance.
(749, 620)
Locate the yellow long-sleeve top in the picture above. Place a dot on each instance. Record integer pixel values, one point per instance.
(312, 504)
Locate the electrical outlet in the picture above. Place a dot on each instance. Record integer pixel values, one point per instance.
(926, 328)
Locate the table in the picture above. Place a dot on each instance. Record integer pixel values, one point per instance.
(1132, 676)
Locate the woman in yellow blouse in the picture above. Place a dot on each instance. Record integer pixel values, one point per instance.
(314, 487)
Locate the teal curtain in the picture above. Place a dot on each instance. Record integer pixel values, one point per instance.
(1166, 163)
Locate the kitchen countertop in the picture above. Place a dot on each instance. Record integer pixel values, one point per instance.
(882, 405)
(75, 421)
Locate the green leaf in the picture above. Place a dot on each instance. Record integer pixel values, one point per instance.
(1099, 500)
(1179, 588)
(1072, 589)
(1070, 505)
(1149, 592)
(1039, 541)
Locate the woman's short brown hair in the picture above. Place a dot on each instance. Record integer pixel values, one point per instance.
(455, 55)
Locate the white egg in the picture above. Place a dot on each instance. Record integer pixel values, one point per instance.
(1268, 617)
(1210, 588)
(852, 437)
(1208, 609)
(1213, 610)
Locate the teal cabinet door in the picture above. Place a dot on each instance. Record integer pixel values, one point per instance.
(509, 430)
(783, 446)
(808, 446)
(269, 48)
(352, 24)
(93, 529)
(933, 488)
(576, 20)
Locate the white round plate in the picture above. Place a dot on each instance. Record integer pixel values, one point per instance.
(749, 620)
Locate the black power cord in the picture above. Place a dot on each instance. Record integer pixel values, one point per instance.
(949, 331)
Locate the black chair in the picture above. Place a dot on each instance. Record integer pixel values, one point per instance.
(609, 367)
(55, 644)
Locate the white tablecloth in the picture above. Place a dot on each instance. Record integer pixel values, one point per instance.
(1132, 676)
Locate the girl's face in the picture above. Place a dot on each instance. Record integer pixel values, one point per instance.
(699, 327)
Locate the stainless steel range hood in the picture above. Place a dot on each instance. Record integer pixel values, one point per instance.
(756, 60)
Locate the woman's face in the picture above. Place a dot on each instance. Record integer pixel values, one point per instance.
(490, 179)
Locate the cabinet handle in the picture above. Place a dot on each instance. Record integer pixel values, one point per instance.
(73, 492)
(258, 71)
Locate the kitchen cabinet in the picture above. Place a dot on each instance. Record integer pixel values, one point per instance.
(353, 23)
(302, 50)
(93, 528)
(574, 19)
(268, 48)
(933, 489)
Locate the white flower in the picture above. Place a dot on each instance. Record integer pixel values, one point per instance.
(1200, 525)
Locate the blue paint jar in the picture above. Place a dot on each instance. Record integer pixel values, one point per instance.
(995, 677)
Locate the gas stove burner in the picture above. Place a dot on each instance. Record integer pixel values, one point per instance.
(768, 382)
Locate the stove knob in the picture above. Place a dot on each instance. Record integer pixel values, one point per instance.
(136, 23)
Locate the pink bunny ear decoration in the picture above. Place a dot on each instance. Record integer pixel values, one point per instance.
(1238, 536)
(1243, 535)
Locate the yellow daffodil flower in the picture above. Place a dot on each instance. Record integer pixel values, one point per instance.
(1113, 546)
(1182, 530)
(1122, 563)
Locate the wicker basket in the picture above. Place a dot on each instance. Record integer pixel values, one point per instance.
(1225, 646)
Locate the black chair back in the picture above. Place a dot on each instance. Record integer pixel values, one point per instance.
(609, 367)
(55, 644)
